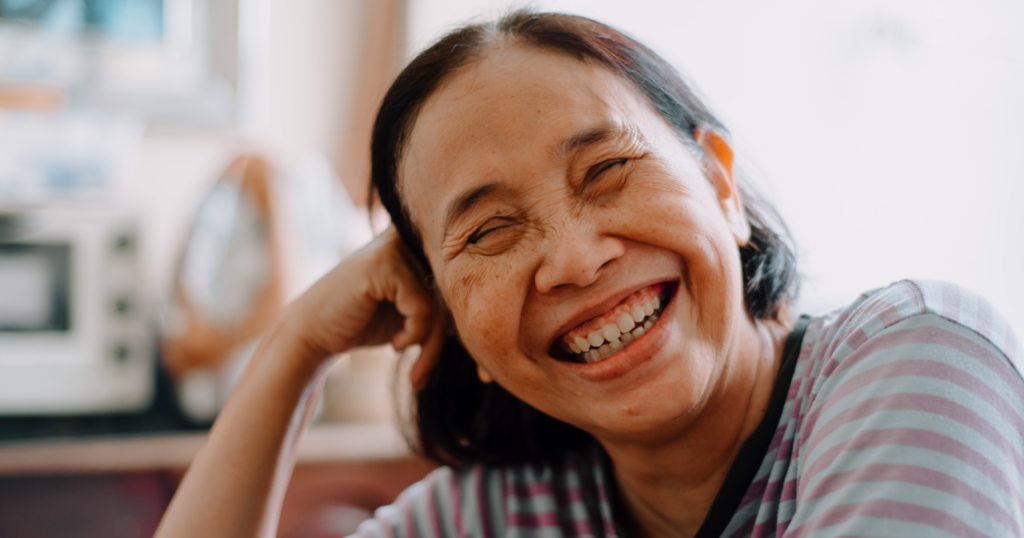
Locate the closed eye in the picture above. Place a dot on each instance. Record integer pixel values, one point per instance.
(490, 226)
(595, 171)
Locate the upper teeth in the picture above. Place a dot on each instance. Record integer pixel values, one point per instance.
(615, 336)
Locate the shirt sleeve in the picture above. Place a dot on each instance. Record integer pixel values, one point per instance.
(433, 508)
(487, 502)
(915, 430)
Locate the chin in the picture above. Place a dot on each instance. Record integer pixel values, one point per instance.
(647, 418)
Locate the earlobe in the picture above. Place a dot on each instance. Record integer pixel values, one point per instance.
(483, 374)
(719, 156)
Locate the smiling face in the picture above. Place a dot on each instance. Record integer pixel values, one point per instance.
(554, 204)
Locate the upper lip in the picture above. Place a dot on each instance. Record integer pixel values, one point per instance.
(596, 309)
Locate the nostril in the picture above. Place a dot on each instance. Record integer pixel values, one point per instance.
(576, 263)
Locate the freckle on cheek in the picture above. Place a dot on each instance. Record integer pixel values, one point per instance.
(460, 291)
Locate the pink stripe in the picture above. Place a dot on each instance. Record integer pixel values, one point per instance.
(931, 369)
(785, 449)
(762, 488)
(890, 316)
(883, 309)
(579, 528)
(925, 403)
(951, 302)
(836, 340)
(810, 361)
(800, 406)
(887, 509)
(996, 363)
(745, 528)
(773, 488)
(533, 520)
(754, 492)
(456, 491)
(913, 474)
(408, 514)
(778, 436)
(767, 527)
(481, 500)
(582, 528)
(911, 437)
(855, 340)
(789, 490)
(794, 388)
(547, 520)
(984, 320)
(528, 489)
(920, 335)
(435, 524)
(821, 351)
(575, 495)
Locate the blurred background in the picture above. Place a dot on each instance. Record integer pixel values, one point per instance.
(172, 172)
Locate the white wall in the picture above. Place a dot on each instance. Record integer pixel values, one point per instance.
(888, 131)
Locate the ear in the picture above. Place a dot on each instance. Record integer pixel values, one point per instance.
(718, 167)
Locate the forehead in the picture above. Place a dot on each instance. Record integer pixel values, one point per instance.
(505, 114)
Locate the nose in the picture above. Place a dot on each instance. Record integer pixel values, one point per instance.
(575, 256)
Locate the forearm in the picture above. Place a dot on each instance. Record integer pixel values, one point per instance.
(234, 485)
(237, 482)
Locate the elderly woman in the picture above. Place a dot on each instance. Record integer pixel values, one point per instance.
(607, 348)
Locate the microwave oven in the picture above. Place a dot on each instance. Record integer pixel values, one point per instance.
(74, 334)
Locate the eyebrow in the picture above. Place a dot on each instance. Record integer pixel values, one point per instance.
(465, 201)
(593, 135)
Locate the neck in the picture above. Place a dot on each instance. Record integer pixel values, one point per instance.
(668, 486)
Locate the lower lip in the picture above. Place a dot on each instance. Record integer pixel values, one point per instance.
(636, 353)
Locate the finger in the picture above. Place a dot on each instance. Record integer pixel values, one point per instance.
(417, 309)
(429, 355)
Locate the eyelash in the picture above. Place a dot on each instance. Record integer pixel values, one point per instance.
(481, 233)
(597, 171)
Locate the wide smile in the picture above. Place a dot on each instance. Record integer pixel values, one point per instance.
(601, 337)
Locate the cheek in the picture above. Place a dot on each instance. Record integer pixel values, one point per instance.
(683, 216)
(485, 298)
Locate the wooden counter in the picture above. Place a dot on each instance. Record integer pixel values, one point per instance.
(342, 469)
(322, 444)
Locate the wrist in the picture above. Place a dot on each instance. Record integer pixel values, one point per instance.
(288, 345)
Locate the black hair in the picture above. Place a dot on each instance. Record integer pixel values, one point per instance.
(461, 420)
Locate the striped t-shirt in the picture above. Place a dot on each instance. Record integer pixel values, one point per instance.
(900, 415)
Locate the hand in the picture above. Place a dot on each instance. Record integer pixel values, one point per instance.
(372, 298)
